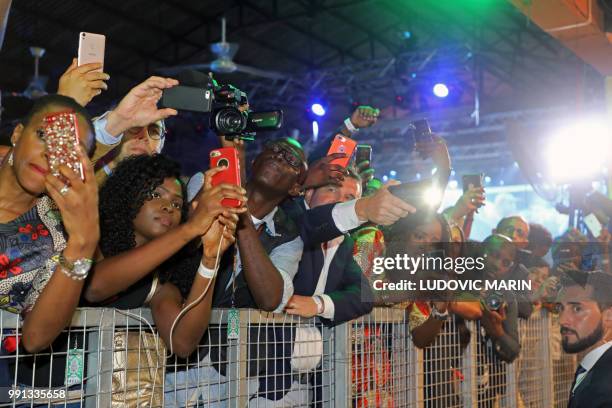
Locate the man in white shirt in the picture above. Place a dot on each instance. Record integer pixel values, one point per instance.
(586, 327)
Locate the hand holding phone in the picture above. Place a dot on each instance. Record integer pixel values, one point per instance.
(226, 157)
(61, 137)
(422, 132)
(342, 144)
(472, 181)
(364, 153)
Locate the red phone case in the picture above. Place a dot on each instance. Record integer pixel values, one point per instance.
(345, 145)
(226, 156)
(62, 142)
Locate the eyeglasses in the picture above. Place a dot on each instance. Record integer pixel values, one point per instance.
(289, 156)
(154, 131)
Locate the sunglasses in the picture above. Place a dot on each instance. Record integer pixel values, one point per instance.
(288, 155)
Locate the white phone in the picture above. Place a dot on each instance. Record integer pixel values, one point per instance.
(91, 48)
(593, 224)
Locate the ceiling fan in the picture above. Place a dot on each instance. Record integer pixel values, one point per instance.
(36, 87)
(223, 63)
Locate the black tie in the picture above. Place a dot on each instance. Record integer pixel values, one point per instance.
(579, 371)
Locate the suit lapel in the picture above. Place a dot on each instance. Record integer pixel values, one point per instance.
(336, 267)
(601, 364)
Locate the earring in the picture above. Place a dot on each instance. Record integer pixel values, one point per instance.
(10, 159)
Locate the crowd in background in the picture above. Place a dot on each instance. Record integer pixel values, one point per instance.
(303, 241)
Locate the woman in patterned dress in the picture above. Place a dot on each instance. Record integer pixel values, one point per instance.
(46, 226)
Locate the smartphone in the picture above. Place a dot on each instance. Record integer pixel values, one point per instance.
(344, 145)
(593, 224)
(364, 153)
(61, 136)
(422, 131)
(226, 157)
(187, 98)
(414, 194)
(91, 48)
(472, 180)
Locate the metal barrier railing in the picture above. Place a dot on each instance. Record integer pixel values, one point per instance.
(108, 357)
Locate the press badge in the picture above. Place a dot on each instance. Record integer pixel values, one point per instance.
(75, 365)
(233, 324)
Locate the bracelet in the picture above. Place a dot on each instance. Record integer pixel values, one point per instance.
(77, 270)
(206, 272)
(107, 170)
(349, 125)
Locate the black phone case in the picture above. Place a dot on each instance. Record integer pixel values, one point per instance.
(187, 98)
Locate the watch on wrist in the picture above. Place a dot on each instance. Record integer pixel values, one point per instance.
(436, 314)
(319, 302)
(77, 270)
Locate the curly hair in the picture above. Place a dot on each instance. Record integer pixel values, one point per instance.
(124, 193)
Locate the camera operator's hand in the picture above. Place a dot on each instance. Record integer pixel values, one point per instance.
(322, 172)
(492, 322)
(139, 106)
(209, 203)
(82, 83)
(364, 117)
(382, 207)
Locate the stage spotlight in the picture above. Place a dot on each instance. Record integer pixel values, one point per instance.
(318, 109)
(385, 178)
(315, 130)
(393, 173)
(487, 179)
(578, 152)
(440, 90)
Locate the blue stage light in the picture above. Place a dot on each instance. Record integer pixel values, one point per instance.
(318, 109)
(440, 90)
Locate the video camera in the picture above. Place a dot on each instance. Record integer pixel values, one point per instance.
(201, 93)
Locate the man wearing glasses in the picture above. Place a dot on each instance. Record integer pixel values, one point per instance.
(257, 272)
(136, 126)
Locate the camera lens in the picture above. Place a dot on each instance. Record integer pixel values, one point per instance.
(229, 121)
(223, 163)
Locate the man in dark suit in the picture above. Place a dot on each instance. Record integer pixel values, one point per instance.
(329, 284)
(586, 327)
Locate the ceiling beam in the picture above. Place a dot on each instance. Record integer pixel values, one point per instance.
(66, 24)
(373, 34)
(304, 32)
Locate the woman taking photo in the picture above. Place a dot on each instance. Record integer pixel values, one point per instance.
(48, 227)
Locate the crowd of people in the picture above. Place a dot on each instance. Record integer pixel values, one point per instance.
(134, 232)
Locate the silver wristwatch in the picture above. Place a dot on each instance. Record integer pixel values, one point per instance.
(77, 270)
